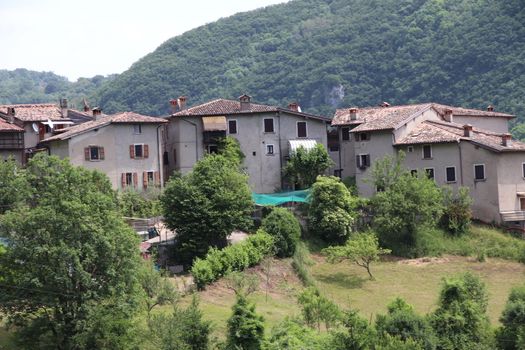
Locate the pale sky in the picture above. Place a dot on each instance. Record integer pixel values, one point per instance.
(84, 38)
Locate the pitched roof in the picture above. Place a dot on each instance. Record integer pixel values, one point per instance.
(386, 118)
(79, 117)
(119, 118)
(34, 112)
(442, 132)
(8, 127)
(228, 107)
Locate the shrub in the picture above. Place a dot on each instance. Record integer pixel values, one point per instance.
(245, 326)
(512, 332)
(284, 227)
(238, 257)
(456, 214)
(300, 260)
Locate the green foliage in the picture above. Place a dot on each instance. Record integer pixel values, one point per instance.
(408, 204)
(140, 205)
(456, 214)
(511, 335)
(285, 229)
(300, 261)
(230, 148)
(351, 183)
(69, 251)
(460, 321)
(403, 323)
(355, 334)
(304, 165)
(362, 249)
(292, 335)
(157, 289)
(331, 211)
(184, 329)
(237, 257)
(206, 205)
(387, 171)
(317, 309)
(245, 326)
(242, 283)
(14, 188)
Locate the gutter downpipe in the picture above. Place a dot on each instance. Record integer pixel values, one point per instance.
(280, 148)
(160, 157)
(340, 139)
(196, 139)
(460, 162)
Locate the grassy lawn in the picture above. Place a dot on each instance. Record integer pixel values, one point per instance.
(418, 281)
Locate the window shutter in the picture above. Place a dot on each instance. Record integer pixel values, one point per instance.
(87, 155)
(358, 161)
(132, 151)
(145, 179)
(146, 151)
(101, 154)
(123, 180)
(367, 160)
(135, 180)
(156, 176)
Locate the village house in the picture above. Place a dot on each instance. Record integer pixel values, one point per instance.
(127, 147)
(11, 141)
(454, 146)
(266, 134)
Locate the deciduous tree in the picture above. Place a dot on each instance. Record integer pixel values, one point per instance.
(304, 165)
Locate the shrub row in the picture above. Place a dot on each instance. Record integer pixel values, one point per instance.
(237, 257)
(300, 261)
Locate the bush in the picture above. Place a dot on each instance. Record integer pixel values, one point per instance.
(512, 332)
(456, 214)
(300, 261)
(285, 229)
(238, 257)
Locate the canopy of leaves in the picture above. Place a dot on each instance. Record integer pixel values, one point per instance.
(245, 326)
(286, 230)
(511, 336)
(304, 165)
(206, 205)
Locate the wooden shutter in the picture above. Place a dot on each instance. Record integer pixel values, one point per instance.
(135, 180)
(358, 161)
(156, 176)
(146, 151)
(132, 151)
(87, 154)
(101, 154)
(145, 179)
(123, 180)
(367, 160)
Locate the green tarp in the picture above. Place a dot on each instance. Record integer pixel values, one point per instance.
(281, 198)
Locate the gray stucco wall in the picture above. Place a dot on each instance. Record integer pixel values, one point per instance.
(494, 124)
(510, 180)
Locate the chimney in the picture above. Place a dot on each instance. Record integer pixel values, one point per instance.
(293, 106)
(467, 130)
(182, 103)
(353, 113)
(11, 114)
(245, 102)
(384, 104)
(178, 105)
(490, 108)
(63, 107)
(448, 115)
(174, 105)
(97, 113)
(506, 140)
(86, 106)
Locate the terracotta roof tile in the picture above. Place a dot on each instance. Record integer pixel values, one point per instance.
(119, 118)
(34, 112)
(468, 112)
(8, 127)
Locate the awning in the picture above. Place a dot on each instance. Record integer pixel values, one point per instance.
(214, 123)
(306, 144)
(52, 122)
(520, 194)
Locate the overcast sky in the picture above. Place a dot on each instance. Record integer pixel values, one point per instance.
(83, 38)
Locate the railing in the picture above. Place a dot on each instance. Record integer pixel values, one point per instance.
(517, 215)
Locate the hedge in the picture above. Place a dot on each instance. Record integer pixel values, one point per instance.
(237, 257)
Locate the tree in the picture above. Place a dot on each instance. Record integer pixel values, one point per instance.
(387, 171)
(460, 321)
(242, 283)
(158, 290)
(206, 205)
(293, 335)
(142, 205)
(456, 214)
(511, 335)
(362, 249)
(402, 322)
(230, 148)
(356, 333)
(304, 165)
(286, 230)
(405, 206)
(14, 188)
(331, 210)
(317, 309)
(245, 328)
(68, 251)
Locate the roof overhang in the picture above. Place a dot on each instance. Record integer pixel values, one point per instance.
(306, 144)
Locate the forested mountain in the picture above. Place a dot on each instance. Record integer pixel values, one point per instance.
(25, 86)
(331, 53)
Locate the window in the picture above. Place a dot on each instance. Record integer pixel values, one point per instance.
(410, 149)
(430, 173)
(451, 174)
(522, 204)
(129, 179)
(363, 136)
(333, 148)
(269, 149)
(363, 161)
(165, 158)
(413, 172)
(213, 149)
(268, 125)
(479, 172)
(137, 128)
(427, 152)
(150, 177)
(523, 170)
(138, 151)
(232, 126)
(301, 129)
(345, 134)
(48, 129)
(94, 153)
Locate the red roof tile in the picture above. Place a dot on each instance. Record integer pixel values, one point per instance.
(8, 127)
(34, 112)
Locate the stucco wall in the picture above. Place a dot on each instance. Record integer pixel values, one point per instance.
(510, 180)
(17, 155)
(488, 123)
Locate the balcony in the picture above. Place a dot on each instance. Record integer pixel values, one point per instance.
(517, 215)
(11, 140)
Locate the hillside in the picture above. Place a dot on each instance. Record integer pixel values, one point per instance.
(25, 86)
(330, 53)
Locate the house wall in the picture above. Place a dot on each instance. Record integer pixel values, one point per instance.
(347, 149)
(184, 143)
(494, 124)
(17, 155)
(407, 127)
(116, 139)
(510, 180)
